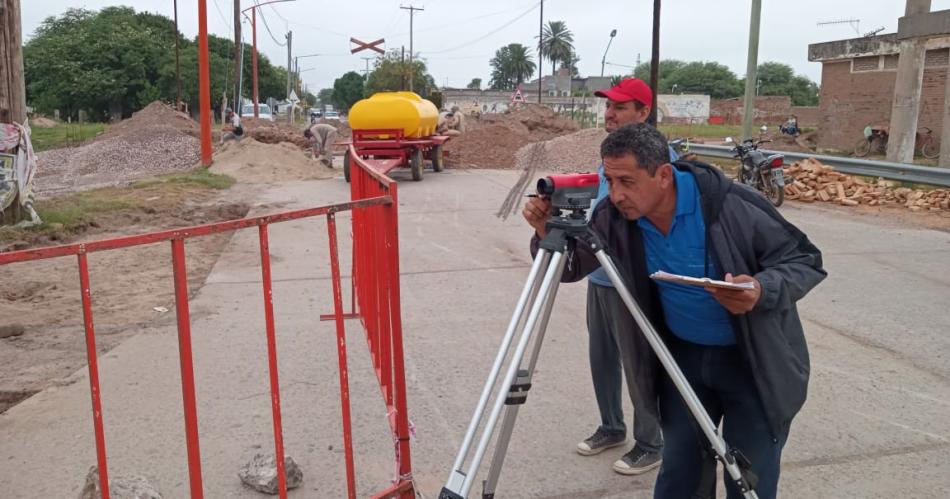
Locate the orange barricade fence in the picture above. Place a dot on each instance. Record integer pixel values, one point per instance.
(376, 298)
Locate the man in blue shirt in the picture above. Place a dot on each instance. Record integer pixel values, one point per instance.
(612, 344)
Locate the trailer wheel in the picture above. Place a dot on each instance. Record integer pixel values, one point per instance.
(438, 158)
(346, 165)
(415, 163)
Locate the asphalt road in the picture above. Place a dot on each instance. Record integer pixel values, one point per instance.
(876, 424)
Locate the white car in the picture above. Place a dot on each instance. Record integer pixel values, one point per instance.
(263, 111)
(332, 115)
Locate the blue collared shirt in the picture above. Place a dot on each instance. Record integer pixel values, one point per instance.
(599, 276)
(691, 312)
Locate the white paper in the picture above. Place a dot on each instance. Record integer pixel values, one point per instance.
(700, 281)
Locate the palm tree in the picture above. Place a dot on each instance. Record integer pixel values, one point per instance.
(511, 66)
(557, 44)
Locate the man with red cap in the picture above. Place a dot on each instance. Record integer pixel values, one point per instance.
(613, 343)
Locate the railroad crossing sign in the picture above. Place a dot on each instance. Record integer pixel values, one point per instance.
(293, 97)
(361, 45)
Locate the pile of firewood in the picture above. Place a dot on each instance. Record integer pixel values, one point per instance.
(809, 180)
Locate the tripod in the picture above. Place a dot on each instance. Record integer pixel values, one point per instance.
(537, 296)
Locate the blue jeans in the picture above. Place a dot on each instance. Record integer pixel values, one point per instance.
(724, 384)
(616, 344)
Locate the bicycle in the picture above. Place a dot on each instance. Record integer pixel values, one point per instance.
(875, 142)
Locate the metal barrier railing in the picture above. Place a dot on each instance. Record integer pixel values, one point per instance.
(376, 287)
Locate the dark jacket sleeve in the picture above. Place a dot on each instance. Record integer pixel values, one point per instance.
(790, 265)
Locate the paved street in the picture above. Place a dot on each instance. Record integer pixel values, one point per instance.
(876, 424)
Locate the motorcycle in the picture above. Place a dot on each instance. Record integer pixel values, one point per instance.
(761, 172)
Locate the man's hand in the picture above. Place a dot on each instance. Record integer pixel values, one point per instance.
(537, 211)
(734, 300)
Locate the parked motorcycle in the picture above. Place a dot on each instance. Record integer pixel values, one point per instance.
(764, 173)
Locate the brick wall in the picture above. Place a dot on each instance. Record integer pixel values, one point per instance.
(807, 115)
(852, 100)
(769, 110)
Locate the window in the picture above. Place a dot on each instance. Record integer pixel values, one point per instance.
(890, 61)
(869, 63)
(938, 58)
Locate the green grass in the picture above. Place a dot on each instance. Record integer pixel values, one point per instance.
(64, 135)
(199, 176)
(677, 131)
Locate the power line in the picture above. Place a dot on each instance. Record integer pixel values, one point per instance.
(486, 35)
(272, 37)
(218, 8)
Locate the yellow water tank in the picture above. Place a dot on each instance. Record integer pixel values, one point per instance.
(415, 116)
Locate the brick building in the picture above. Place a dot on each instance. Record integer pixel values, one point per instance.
(857, 86)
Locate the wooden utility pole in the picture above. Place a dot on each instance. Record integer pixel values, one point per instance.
(238, 58)
(655, 62)
(412, 11)
(177, 62)
(540, 54)
(12, 85)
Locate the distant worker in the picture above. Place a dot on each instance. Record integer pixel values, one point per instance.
(232, 127)
(324, 137)
(450, 123)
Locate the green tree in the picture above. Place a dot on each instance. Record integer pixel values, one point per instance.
(711, 78)
(392, 73)
(475, 84)
(775, 78)
(325, 96)
(667, 68)
(511, 66)
(557, 44)
(347, 89)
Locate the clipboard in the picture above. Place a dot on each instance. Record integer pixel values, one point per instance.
(701, 281)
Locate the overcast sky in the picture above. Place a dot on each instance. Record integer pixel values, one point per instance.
(458, 37)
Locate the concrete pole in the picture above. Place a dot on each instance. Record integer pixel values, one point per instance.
(751, 70)
(12, 84)
(945, 133)
(906, 107)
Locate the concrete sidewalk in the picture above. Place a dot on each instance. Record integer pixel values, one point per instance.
(877, 422)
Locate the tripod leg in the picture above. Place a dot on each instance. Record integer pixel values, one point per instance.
(516, 398)
(728, 459)
(541, 261)
(551, 278)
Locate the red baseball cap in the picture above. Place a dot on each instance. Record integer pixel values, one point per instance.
(629, 89)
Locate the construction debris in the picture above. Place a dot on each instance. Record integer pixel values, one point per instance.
(809, 181)
(260, 474)
(119, 487)
(153, 141)
(492, 140)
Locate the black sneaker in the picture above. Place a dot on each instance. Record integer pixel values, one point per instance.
(599, 442)
(637, 461)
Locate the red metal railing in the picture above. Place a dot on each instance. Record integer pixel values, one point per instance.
(376, 292)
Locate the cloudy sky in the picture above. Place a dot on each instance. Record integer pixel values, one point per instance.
(458, 37)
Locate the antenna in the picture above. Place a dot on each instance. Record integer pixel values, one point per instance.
(869, 34)
(854, 23)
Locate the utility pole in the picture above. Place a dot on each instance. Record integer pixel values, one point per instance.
(255, 96)
(412, 10)
(402, 64)
(751, 68)
(238, 60)
(290, 36)
(366, 71)
(177, 62)
(12, 84)
(540, 55)
(655, 62)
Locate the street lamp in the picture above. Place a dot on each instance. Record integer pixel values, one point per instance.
(603, 60)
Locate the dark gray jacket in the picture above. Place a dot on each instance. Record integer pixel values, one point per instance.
(745, 234)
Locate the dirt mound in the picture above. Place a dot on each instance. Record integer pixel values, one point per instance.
(492, 146)
(253, 162)
(153, 141)
(43, 122)
(577, 152)
(274, 132)
(802, 143)
(492, 140)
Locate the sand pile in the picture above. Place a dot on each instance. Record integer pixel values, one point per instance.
(250, 161)
(153, 141)
(493, 140)
(577, 152)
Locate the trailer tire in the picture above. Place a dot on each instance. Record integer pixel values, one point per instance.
(415, 163)
(438, 158)
(346, 165)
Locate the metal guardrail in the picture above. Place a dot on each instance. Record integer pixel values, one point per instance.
(868, 167)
